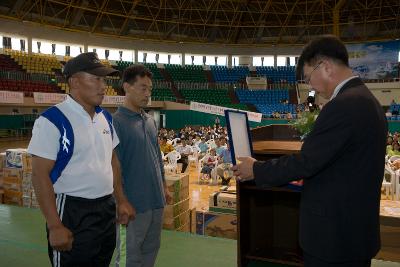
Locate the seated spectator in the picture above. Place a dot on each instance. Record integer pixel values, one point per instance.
(203, 146)
(209, 162)
(222, 145)
(164, 146)
(395, 165)
(225, 163)
(190, 141)
(185, 151)
(393, 150)
(389, 140)
(197, 140)
(213, 134)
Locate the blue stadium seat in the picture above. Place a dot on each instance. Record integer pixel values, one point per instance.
(278, 74)
(267, 101)
(229, 75)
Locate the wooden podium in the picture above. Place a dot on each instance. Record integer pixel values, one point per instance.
(268, 218)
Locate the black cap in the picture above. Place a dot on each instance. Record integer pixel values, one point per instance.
(87, 62)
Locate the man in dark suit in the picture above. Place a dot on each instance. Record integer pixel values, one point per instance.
(341, 162)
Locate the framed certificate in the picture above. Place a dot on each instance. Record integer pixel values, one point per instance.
(239, 134)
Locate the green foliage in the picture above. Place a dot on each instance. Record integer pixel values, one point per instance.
(305, 122)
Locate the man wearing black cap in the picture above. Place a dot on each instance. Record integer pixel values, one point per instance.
(76, 173)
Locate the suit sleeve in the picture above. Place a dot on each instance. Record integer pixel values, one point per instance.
(330, 137)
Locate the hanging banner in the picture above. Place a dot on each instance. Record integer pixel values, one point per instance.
(53, 98)
(217, 110)
(48, 98)
(113, 100)
(377, 60)
(9, 97)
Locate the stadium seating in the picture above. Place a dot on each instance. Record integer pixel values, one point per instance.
(278, 74)
(394, 107)
(262, 96)
(229, 75)
(218, 97)
(162, 94)
(110, 91)
(35, 63)
(28, 86)
(122, 65)
(267, 101)
(189, 73)
(8, 64)
(154, 69)
(269, 109)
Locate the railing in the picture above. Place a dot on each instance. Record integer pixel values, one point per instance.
(207, 85)
(20, 76)
(391, 80)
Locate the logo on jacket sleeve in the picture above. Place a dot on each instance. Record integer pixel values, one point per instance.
(65, 141)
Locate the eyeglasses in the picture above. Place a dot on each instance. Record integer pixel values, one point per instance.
(316, 67)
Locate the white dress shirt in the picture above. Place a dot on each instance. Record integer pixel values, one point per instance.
(340, 85)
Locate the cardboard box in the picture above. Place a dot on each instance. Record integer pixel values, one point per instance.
(12, 183)
(27, 181)
(177, 222)
(26, 202)
(185, 228)
(2, 160)
(222, 200)
(18, 158)
(27, 175)
(171, 211)
(222, 210)
(193, 220)
(1, 196)
(228, 189)
(34, 203)
(216, 224)
(27, 192)
(178, 187)
(17, 179)
(11, 172)
(179, 196)
(176, 182)
(12, 197)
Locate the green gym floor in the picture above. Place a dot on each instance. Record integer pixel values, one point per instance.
(23, 243)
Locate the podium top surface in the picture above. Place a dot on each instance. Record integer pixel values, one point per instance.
(276, 147)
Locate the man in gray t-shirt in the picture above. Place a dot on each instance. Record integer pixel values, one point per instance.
(142, 171)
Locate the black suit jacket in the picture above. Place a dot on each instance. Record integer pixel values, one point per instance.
(342, 164)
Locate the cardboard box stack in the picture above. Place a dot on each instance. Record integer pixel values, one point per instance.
(220, 220)
(216, 224)
(177, 212)
(2, 164)
(223, 201)
(17, 179)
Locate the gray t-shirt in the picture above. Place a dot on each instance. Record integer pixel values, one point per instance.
(140, 157)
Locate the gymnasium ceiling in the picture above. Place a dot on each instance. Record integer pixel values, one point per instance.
(243, 22)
